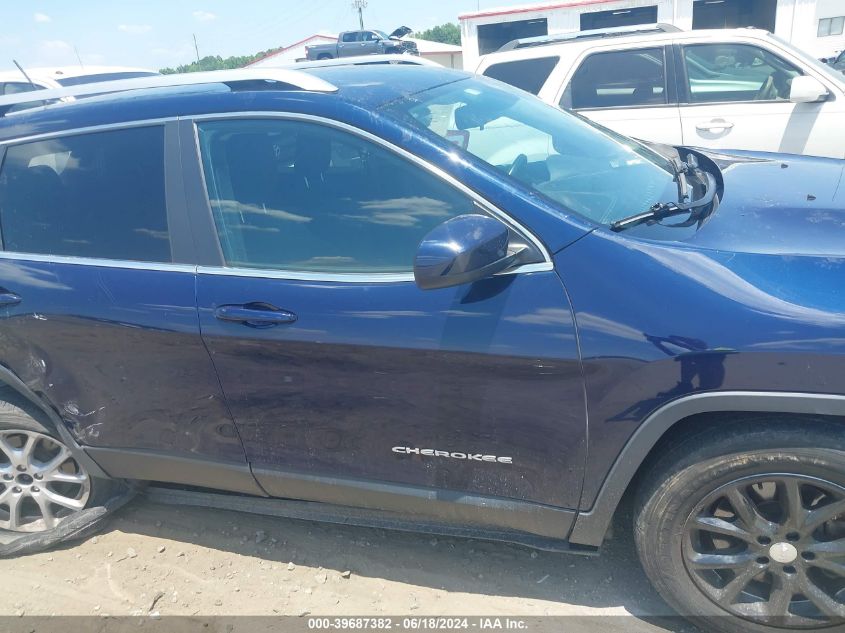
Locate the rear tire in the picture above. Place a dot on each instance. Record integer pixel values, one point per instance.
(323, 56)
(41, 483)
(742, 528)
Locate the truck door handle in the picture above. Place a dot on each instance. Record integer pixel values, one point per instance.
(255, 314)
(715, 125)
(9, 299)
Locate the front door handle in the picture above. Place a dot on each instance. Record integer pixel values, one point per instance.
(9, 299)
(715, 126)
(255, 314)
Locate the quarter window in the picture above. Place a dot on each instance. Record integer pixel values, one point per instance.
(618, 79)
(299, 196)
(88, 195)
(527, 74)
(736, 72)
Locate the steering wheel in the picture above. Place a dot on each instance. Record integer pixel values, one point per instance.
(768, 91)
(519, 163)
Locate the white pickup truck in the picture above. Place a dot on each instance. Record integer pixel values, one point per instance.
(722, 89)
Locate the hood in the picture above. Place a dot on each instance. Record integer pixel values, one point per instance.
(777, 204)
(402, 31)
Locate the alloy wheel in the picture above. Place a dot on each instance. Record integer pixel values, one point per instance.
(42, 484)
(771, 549)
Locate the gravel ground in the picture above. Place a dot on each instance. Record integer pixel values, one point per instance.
(157, 559)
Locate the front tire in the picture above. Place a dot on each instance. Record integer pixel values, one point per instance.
(745, 526)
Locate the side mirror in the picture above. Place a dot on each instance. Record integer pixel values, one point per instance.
(462, 250)
(806, 89)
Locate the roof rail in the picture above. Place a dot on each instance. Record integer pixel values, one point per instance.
(363, 60)
(618, 31)
(248, 77)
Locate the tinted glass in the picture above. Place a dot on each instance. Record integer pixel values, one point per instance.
(352, 36)
(90, 195)
(736, 72)
(618, 79)
(300, 196)
(527, 74)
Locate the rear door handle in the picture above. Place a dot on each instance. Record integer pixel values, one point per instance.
(9, 299)
(716, 125)
(256, 314)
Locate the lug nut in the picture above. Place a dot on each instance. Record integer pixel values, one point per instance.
(35, 489)
(22, 468)
(38, 476)
(8, 477)
(17, 489)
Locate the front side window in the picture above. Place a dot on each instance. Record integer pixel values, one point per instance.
(299, 196)
(582, 167)
(88, 195)
(527, 74)
(736, 72)
(618, 79)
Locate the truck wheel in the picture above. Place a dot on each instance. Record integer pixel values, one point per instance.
(41, 484)
(324, 56)
(744, 528)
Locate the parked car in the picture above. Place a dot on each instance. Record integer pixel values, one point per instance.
(722, 89)
(839, 62)
(354, 290)
(364, 42)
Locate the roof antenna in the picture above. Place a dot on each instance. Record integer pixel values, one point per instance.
(23, 72)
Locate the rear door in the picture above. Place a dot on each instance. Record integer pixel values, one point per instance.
(736, 96)
(97, 299)
(630, 90)
(348, 383)
(349, 44)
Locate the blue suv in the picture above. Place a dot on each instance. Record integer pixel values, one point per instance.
(420, 299)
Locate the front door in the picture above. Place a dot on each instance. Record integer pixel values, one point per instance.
(338, 369)
(738, 98)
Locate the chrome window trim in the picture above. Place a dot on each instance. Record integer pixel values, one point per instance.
(359, 277)
(95, 261)
(91, 129)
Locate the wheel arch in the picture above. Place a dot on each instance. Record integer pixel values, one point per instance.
(591, 526)
(15, 391)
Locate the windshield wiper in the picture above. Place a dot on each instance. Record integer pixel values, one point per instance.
(667, 209)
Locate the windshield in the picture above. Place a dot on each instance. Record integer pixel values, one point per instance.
(382, 35)
(580, 166)
(817, 64)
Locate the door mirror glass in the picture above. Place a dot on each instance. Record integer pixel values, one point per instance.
(806, 89)
(462, 250)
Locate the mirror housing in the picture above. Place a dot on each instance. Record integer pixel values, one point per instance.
(464, 249)
(805, 89)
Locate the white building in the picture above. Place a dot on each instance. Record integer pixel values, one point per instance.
(447, 55)
(815, 26)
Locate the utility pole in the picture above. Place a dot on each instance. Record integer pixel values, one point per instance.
(360, 5)
(196, 48)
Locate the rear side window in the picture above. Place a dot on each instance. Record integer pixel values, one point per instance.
(299, 196)
(352, 36)
(527, 74)
(618, 79)
(89, 195)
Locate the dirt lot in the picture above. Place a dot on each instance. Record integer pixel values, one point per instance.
(157, 559)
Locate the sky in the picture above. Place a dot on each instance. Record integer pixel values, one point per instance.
(159, 33)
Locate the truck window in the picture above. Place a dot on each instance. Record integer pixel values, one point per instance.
(352, 36)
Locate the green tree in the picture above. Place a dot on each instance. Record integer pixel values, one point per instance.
(448, 33)
(215, 62)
